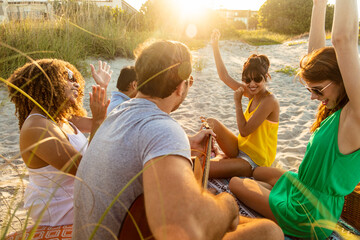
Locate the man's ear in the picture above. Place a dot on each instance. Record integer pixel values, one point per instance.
(180, 88)
(134, 85)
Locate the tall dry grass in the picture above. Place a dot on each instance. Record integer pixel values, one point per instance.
(77, 32)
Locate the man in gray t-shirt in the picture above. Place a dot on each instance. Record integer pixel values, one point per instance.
(140, 136)
(131, 136)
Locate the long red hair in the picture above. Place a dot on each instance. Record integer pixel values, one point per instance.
(318, 66)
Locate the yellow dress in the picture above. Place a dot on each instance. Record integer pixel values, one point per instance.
(260, 145)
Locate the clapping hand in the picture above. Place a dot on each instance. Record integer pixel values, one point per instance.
(98, 103)
(102, 75)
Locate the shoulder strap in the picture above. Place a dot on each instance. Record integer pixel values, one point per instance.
(259, 102)
(36, 114)
(74, 127)
(249, 104)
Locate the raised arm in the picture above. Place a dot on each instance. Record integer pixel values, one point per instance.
(317, 27)
(220, 66)
(345, 40)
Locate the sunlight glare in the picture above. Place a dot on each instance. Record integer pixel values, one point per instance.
(191, 8)
(191, 30)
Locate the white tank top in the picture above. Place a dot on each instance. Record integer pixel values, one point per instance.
(53, 190)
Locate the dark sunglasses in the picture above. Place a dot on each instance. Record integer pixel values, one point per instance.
(255, 79)
(316, 90)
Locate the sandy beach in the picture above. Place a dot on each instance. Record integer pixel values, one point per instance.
(208, 97)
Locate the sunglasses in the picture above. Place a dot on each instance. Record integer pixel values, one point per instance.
(316, 90)
(70, 75)
(255, 79)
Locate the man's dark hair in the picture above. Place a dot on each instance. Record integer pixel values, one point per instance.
(127, 75)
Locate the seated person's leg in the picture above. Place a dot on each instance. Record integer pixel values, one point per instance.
(229, 167)
(252, 228)
(269, 175)
(252, 194)
(225, 138)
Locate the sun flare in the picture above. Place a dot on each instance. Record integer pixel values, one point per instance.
(189, 8)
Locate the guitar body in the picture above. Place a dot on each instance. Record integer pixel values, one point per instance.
(128, 230)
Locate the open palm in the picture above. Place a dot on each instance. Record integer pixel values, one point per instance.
(102, 75)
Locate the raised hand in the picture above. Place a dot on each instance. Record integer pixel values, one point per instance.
(215, 36)
(238, 94)
(98, 103)
(102, 75)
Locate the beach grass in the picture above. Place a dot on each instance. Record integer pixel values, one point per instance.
(61, 39)
(288, 70)
(262, 37)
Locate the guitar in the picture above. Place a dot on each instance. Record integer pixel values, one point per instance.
(135, 225)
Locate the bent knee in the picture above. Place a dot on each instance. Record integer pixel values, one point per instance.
(258, 173)
(271, 229)
(235, 183)
(213, 122)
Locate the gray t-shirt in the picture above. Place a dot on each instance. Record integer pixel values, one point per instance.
(132, 134)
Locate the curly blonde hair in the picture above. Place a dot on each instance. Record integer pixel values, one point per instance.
(48, 90)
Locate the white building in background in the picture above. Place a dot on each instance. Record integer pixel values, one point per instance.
(21, 9)
(115, 3)
(3, 13)
(237, 15)
(42, 9)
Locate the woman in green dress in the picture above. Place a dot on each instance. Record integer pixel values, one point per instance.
(309, 203)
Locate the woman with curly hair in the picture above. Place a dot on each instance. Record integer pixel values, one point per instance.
(51, 138)
(308, 204)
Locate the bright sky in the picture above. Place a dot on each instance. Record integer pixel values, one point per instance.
(228, 4)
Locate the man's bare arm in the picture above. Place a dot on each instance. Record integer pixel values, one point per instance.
(176, 206)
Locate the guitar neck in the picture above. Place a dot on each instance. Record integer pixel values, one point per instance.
(207, 163)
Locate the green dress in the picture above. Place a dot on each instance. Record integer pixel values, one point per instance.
(306, 203)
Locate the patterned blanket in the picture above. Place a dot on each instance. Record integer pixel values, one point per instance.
(222, 185)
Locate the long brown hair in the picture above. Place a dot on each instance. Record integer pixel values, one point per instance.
(318, 66)
(48, 90)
